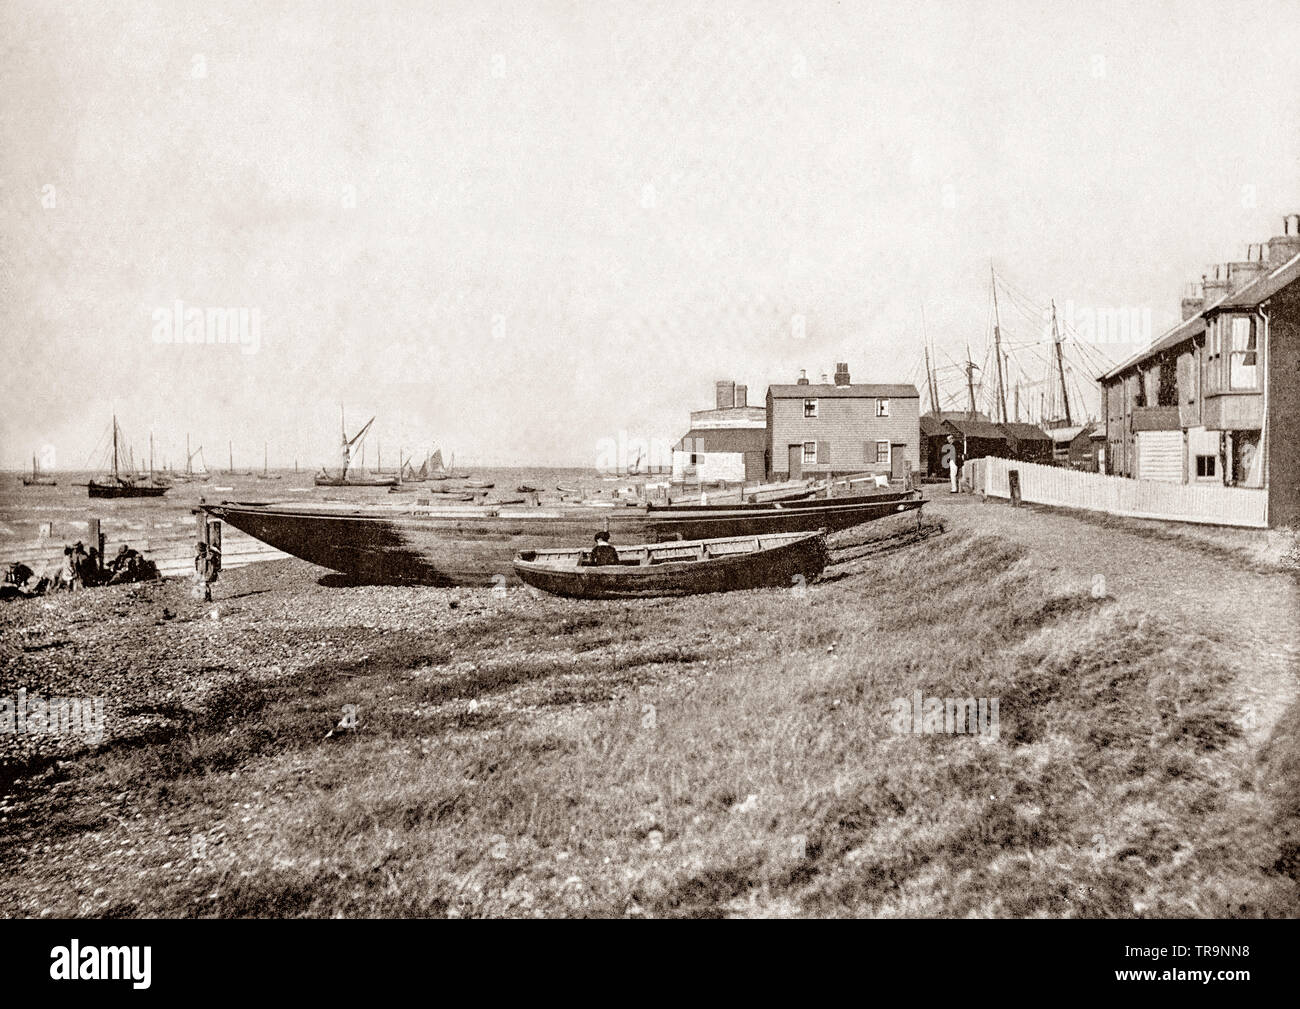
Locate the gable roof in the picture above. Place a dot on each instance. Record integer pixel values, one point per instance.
(1062, 435)
(811, 391)
(1025, 432)
(723, 439)
(931, 426)
(976, 429)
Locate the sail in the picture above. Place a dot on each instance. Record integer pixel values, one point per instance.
(436, 461)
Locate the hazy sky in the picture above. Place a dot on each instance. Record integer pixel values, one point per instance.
(516, 229)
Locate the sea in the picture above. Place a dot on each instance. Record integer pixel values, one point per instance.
(37, 522)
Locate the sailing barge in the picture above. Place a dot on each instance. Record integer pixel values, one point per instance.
(474, 545)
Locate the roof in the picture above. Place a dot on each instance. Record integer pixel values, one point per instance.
(977, 429)
(1260, 290)
(1025, 432)
(1252, 295)
(959, 415)
(1186, 330)
(725, 439)
(811, 391)
(931, 426)
(1063, 435)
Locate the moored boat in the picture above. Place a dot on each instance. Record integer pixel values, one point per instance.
(437, 545)
(678, 568)
(124, 485)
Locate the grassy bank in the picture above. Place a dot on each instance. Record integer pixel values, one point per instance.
(720, 755)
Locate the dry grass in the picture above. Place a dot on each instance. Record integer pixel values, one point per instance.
(727, 755)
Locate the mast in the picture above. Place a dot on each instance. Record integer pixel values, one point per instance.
(970, 382)
(114, 448)
(151, 457)
(263, 458)
(929, 368)
(231, 446)
(997, 344)
(1060, 367)
(189, 467)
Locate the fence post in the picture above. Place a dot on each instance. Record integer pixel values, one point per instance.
(1013, 486)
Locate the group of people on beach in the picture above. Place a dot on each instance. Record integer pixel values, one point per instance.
(79, 569)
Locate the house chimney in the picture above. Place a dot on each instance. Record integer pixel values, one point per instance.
(725, 395)
(842, 374)
(1247, 272)
(803, 377)
(1215, 283)
(825, 379)
(1284, 247)
(742, 395)
(1193, 301)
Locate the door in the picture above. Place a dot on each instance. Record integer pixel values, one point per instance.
(896, 461)
(796, 462)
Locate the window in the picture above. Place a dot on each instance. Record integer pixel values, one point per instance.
(1204, 466)
(882, 408)
(810, 452)
(810, 408)
(882, 452)
(1242, 370)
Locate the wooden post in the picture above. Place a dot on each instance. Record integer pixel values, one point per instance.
(214, 539)
(96, 537)
(202, 526)
(1013, 482)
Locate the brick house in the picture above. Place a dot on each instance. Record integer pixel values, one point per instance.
(838, 427)
(1216, 399)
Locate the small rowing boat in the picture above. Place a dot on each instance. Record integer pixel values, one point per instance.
(682, 568)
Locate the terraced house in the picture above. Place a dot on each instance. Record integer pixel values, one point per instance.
(836, 427)
(1215, 401)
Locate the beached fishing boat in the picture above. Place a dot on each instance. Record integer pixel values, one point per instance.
(38, 479)
(124, 485)
(803, 501)
(438, 545)
(678, 568)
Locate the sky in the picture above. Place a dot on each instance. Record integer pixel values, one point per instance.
(519, 231)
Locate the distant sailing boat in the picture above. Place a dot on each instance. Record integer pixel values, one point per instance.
(38, 479)
(191, 475)
(118, 485)
(265, 474)
(325, 479)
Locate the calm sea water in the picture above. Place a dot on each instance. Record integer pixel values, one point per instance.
(36, 522)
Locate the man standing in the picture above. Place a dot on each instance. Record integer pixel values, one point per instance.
(950, 450)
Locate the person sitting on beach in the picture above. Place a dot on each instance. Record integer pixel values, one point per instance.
(603, 552)
(68, 577)
(89, 567)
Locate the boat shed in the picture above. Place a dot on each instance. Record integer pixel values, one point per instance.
(1028, 443)
(978, 438)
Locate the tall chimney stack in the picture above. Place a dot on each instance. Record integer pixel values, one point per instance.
(1193, 301)
(725, 394)
(842, 374)
(1286, 246)
(1249, 270)
(1216, 283)
(742, 395)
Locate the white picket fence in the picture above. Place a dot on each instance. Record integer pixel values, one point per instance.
(1117, 495)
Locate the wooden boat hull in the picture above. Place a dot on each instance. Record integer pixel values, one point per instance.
(108, 490)
(473, 546)
(787, 561)
(804, 501)
(39, 482)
